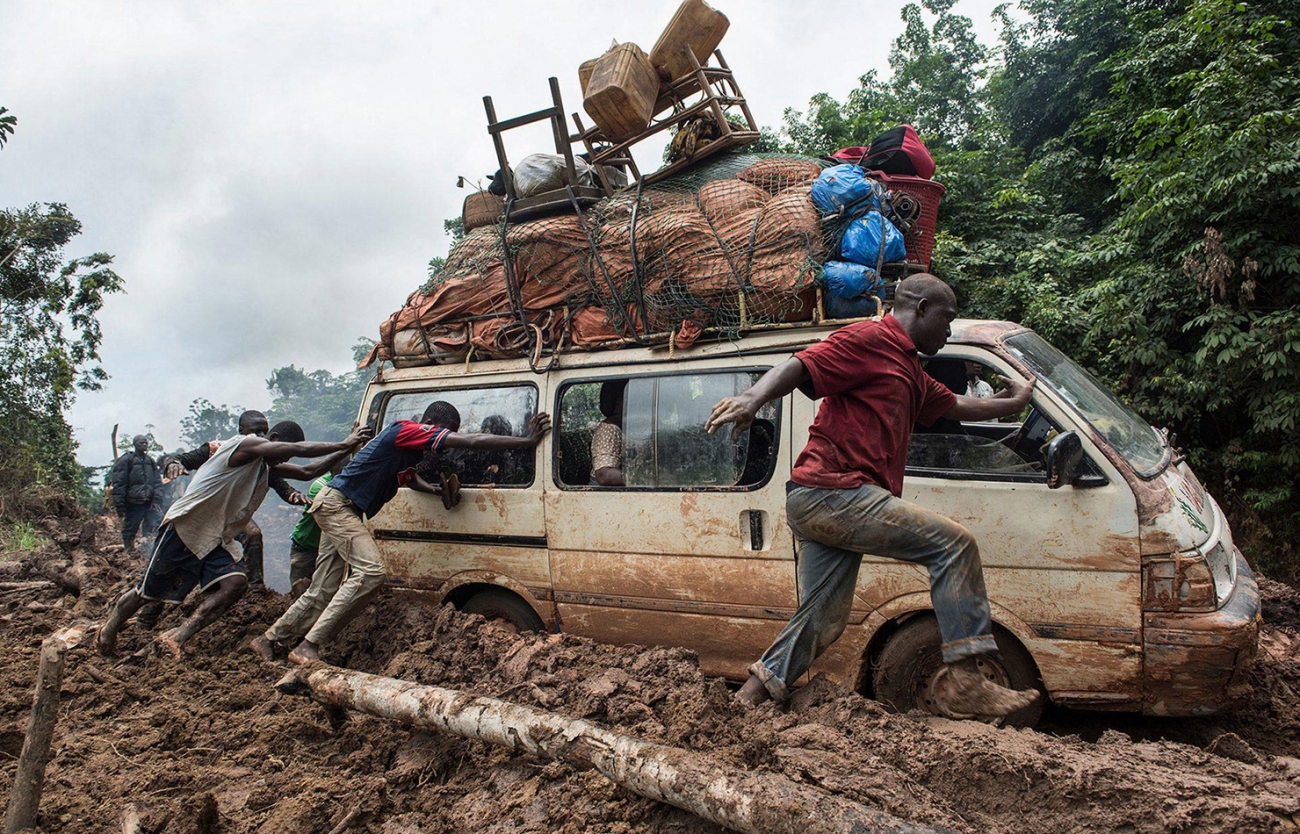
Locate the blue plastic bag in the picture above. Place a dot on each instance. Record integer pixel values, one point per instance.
(847, 280)
(864, 238)
(852, 308)
(846, 185)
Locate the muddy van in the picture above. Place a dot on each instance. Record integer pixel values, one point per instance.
(1112, 574)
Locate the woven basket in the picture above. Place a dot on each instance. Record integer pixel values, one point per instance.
(920, 241)
(481, 209)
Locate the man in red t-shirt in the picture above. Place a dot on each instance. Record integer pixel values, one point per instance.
(843, 499)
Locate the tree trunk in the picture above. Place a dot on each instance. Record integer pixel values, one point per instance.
(29, 779)
(759, 803)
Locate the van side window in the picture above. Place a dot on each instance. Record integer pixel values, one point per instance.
(500, 410)
(648, 433)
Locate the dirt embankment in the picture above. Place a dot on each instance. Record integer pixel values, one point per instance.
(208, 746)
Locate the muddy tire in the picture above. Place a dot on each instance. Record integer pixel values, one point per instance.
(903, 674)
(505, 608)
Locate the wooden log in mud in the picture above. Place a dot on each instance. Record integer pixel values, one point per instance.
(29, 779)
(29, 585)
(746, 801)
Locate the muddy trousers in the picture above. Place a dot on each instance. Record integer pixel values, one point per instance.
(302, 562)
(135, 520)
(833, 528)
(347, 573)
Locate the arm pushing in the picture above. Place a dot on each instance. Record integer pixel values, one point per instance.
(308, 472)
(773, 385)
(537, 429)
(1010, 400)
(252, 447)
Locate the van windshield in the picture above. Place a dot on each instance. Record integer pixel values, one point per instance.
(1128, 433)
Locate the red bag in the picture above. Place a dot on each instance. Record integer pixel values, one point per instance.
(899, 151)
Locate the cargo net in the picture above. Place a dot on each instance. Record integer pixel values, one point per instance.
(733, 244)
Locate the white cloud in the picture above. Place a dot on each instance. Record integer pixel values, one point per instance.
(272, 177)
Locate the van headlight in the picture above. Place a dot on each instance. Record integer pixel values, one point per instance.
(1180, 582)
(1223, 568)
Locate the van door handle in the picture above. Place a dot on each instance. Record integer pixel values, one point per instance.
(755, 529)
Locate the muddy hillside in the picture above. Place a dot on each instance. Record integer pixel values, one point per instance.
(210, 746)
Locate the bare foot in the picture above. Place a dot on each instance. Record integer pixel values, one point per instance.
(263, 648)
(167, 642)
(965, 693)
(304, 653)
(105, 642)
(753, 692)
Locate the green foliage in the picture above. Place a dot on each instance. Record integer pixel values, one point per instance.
(49, 344)
(20, 537)
(325, 405)
(206, 421)
(1126, 180)
(1199, 314)
(8, 122)
(126, 442)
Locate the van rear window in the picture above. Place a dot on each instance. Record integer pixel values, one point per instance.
(500, 410)
(648, 433)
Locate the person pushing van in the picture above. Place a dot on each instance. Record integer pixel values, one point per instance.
(844, 495)
(196, 541)
(360, 491)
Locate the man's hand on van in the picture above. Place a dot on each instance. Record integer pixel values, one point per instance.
(539, 427)
(773, 385)
(739, 410)
(359, 436)
(1016, 391)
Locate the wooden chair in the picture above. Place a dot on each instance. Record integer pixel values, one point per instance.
(573, 194)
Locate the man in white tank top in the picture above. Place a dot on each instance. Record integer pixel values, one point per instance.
(196, 542)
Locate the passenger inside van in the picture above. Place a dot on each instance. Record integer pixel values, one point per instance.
(951, 373)
(607, 438)
(991, 447)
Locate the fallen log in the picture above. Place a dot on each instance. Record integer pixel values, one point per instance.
(29, 585)
(745, 801)
(29, 778)
(131, 820)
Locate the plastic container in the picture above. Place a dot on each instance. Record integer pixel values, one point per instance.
(696, 24)
(621, 93)
(585, 69)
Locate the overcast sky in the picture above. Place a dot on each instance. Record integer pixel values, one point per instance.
(272, 177)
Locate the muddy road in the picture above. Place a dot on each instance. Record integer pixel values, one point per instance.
(209, 746)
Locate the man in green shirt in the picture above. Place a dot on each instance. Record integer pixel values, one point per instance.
(305, 538)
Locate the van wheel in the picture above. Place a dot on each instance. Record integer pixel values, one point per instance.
(904, 674)
(504, 609)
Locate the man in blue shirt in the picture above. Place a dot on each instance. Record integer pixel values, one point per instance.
(346, 546)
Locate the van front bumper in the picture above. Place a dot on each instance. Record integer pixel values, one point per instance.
(1198, 664)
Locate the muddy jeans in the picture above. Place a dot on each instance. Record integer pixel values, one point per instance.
(346, 547)
(302, 562)
(833, 528)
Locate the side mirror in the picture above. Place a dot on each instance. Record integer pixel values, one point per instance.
(1064, 460)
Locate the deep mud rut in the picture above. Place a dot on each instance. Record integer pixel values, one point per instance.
(209, 746)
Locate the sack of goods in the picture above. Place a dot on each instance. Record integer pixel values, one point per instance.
(872, 241)
(847, 190)
(541, 172)
(732, 244)
(852, 290)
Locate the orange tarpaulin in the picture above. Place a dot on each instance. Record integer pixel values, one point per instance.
(691, 256)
